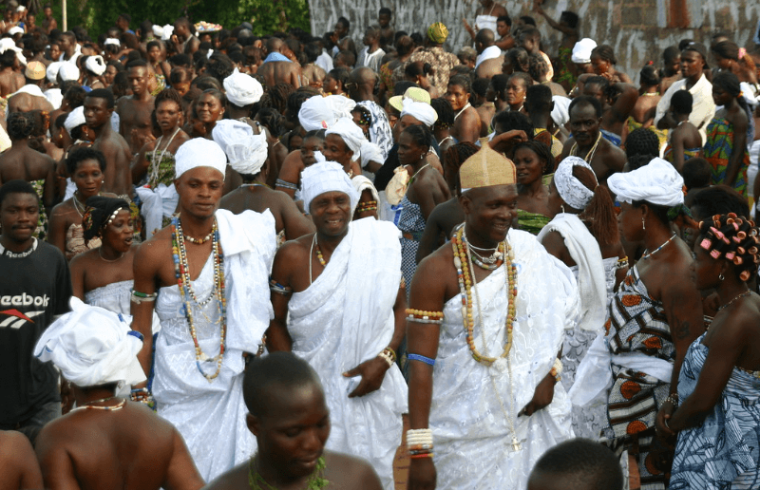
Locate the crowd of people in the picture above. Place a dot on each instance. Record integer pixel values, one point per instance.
(293, 262)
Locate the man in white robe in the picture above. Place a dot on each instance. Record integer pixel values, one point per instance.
(338, 303)
(206, 333)
(482, 414)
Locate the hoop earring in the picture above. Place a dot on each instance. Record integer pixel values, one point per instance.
(643, 224)
(422, 157)
(562, 207)
(721, 277)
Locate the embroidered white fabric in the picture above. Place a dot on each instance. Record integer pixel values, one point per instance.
(345, 318)
(570, 189)
(211, 416)
(471, 433)
(156, 204)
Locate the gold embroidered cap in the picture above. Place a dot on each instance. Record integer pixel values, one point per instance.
(486, 168)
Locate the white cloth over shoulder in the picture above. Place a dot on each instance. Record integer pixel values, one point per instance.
(471, 434)
(157, 203)
(592, 284)
(345, 318)
(211, 415)
(489, 53)
(92, 347)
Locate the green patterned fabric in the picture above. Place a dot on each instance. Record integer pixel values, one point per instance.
(531, 222)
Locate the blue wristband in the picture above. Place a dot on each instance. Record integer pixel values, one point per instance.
(417, 357)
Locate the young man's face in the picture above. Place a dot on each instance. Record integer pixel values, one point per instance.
(384, 20)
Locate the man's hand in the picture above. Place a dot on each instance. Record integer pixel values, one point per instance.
(422, 474)
(542, 397)
(664, 433)
(505, 141)
(372, 373)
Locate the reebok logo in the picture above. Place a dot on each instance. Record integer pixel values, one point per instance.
(24, 299)
(16, 319)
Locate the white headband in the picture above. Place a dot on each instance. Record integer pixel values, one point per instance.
(92, 346)
(657, 182)
(324, 177)
(200, 152)
(570, 189)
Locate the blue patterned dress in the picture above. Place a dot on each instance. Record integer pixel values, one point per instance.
(724, 451)
(412, 224)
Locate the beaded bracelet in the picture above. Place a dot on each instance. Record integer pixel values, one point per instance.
(137, 297)
(556, 369)
(422, 316)
(420, 456)
(278, 288)
(419, 441)
(673, 399)
(141, 395)
(286, 184)
(388, 355)
(366, 206)
(622, 263)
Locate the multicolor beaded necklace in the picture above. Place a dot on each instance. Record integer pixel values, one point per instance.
(187, 293)
(316, 481)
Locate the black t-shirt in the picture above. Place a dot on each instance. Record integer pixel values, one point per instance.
(34, 289)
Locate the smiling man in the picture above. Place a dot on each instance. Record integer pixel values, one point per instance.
(339, 304)
(206, 275)
(483, 342)
(587, 141)
(289, 417)
(39, 291)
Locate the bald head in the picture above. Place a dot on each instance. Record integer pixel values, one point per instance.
(485, 37)
(269, 379)
(577, 464)
(363, 75)
(274, 45)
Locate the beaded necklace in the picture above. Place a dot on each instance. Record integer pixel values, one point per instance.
(745, 293)
(649, 254)
(315, 482)
(466, 278)
(107, 408)
(187, 293)
(590, 155)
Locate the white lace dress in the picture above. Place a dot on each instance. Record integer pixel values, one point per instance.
(589, 421)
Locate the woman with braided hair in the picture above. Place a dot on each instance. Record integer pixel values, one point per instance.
(716, 411)
(726, 144)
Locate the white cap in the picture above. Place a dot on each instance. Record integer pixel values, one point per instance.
(199, 152)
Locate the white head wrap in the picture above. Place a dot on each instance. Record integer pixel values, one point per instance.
(52, 71)
(242, 89)
(370, 152)
(158, 31)
(168, 31)
(657, 182)
(112, 40)
(352, 135)
(340, 105)
(246, 151)
(570, 189)
(95, 64)
(422, 112)
(92, 346)
(315, 114)
(561, 112)
(68, 71)
(199, 152)
(362, 183)
(324, 177)
(74, 119)
(582, 51)
(15, 30)
(20, 8)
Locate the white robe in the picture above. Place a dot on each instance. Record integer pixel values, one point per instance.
(471, 433)
(211, 415)
(345, 318)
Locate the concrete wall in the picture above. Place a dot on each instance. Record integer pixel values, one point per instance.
(638, 30)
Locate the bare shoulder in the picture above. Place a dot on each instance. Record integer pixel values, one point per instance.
(62, 209)
(346, 472)
(152, 251)
(235, 479)
(294, 249)
(14, 445)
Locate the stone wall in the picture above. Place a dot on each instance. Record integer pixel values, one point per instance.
(638, 30)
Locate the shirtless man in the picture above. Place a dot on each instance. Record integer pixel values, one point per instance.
(134, 110)
(284, 395)
(18, 464)
(98, 107)
(10, 79)
(387, 33)
(49, 23)
(313, 72)
(183, 38)
(116, 444)
(587, 142)
(275, 72)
